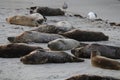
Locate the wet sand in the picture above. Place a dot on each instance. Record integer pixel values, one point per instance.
(13, 69)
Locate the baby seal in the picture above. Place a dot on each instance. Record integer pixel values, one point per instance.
(104, 62)
(63, 44)
(105, 50)
(85, 35)
(91, 77)
(32, 20)
(41, 56)
(15, 50)
(33, 36)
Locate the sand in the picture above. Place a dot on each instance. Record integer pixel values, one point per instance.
(13, 69)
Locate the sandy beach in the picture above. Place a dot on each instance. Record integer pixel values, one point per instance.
(13, 69)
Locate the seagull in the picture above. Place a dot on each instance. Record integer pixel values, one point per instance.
(65, 6)
(92, 15)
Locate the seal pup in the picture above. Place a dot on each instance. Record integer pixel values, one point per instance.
(63, 44)
(41, 56)
(46, 11)
(32, 20)
(82, 35)
(15, 50)
(91, 77)
(105, 50)
(35, 37)
(104, 62)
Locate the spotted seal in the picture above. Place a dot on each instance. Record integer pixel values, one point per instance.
(41, 56)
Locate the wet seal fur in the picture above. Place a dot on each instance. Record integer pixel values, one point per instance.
(91, 77)
(105, 50)
(46, 11)
(32, 20)
(52, 29)
(104, 62)
(33, 36)
(63, 44)
(81, 35)
(41, 56)
(15, 50)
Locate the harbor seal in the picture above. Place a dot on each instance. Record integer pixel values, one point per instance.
(15, 50)
(33, 36)
(81, 35)
(31, 20)
(91, 77)
(46, 11)
(104, 62)
(105, 50)
(41, 56)
(52, 29)
(63, 44)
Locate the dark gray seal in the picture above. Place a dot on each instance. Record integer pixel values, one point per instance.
(15, 50)
(46, 11)
(81, 35)
(42, 56)
(52, 29)
(91, 77)
(34, 36)
(105, 50)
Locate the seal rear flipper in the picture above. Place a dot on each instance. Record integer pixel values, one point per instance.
(75, 59)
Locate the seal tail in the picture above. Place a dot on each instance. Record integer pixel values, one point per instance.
(75, 59)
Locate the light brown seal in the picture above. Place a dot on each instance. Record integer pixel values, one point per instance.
(33, 36)
(91, 77)
(15, 50)
(31, 20)
(41, 56)
(63, 44)
(104, 62)
(81, 35)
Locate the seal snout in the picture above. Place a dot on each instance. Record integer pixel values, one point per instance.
(11, 39)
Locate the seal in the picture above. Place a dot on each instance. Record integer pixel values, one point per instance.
(16, 50)
(52, 29)
(81, 35)
(33, 36)
(104, 62)
(31, 20)
(105, 50)
(91, 77)
(65, 25)
(63, 44)
(46, 11)
(41, 56)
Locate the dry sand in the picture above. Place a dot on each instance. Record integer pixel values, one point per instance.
(13, 69)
